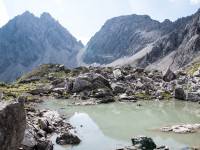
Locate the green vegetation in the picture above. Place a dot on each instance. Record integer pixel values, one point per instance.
(193, 66)
(143, 95)
(192, 69)
(94, 91)
(166, 95)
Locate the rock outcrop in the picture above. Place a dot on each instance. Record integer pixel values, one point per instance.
(27, 41)
(12, 124)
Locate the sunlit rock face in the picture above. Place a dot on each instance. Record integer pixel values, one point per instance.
(27, 41)
(141, 41)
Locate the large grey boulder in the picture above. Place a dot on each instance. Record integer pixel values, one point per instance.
(12, 124)
(81, 84)
(118, 88)
(169, 75)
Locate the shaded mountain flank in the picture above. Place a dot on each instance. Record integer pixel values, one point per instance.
(27, 41)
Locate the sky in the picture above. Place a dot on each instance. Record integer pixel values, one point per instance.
(83, 18)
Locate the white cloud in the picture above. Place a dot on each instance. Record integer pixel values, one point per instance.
(3, 14)
(194, 1)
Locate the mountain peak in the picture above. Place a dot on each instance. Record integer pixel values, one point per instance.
(46, 16)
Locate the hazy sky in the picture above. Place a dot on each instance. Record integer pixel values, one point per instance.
(83, 18)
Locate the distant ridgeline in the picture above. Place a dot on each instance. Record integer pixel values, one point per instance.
(141, 41)
(27, 41)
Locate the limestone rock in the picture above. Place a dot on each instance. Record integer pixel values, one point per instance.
(12, 124)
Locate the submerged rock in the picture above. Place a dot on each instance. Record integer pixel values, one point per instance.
(67, 138)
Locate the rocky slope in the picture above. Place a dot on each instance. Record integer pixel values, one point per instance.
(141, 41)
(27, 41)
(103, 85)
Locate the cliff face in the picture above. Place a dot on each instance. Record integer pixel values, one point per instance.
(178, 48)
(27, 41)
(141, 41)
(121, 36)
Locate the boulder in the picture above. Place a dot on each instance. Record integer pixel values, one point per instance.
(81, 84)
(43, 144)
(193, 96)
(99, 77)
(12, 124)
(169, 76)
(67, 138)
(118, 74)
(180, 94)
(143, 142)
(118, 88)
(29, 142)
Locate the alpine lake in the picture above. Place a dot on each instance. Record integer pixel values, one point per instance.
(111, 126)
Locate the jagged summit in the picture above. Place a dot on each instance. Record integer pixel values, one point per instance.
(27, 41)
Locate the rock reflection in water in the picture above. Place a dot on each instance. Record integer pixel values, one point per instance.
(113, 125)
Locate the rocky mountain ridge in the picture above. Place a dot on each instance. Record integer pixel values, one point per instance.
(27, 41)
(141, 41)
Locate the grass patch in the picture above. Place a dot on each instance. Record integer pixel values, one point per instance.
(166, 95)
(192, 69)
(143, 95)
